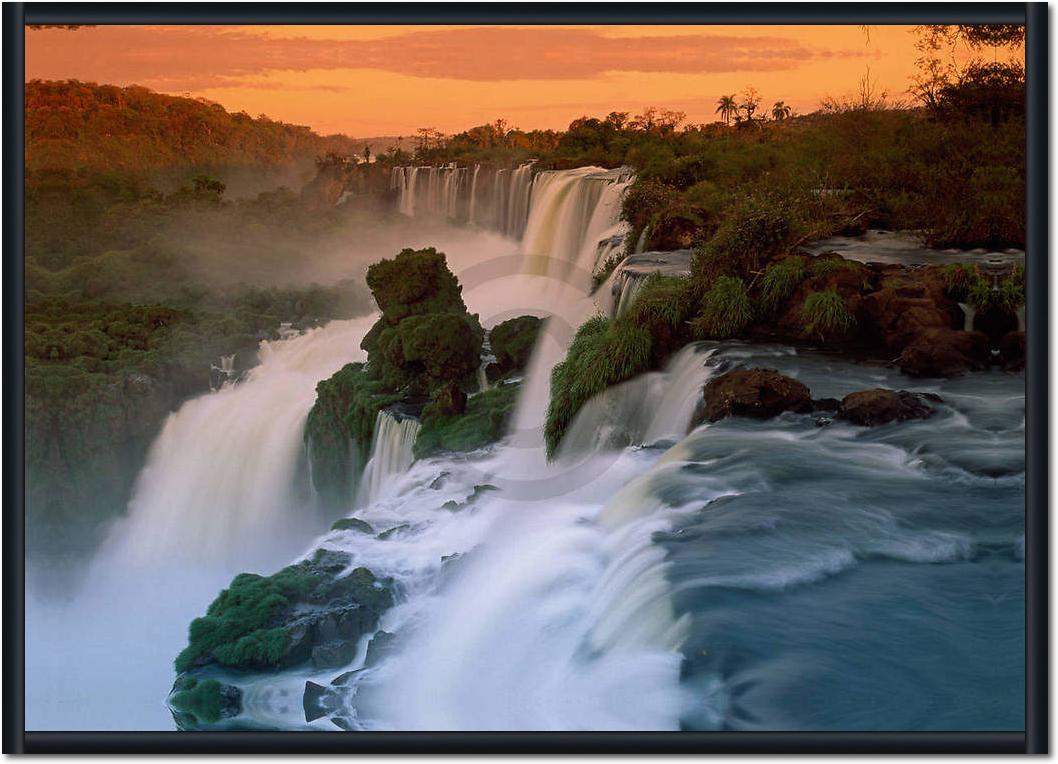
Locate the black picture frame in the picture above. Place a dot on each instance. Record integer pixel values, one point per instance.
(1035, 738)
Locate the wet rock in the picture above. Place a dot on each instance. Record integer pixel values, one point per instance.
(758, 393)
(393, 531)
(881, 406)
(944, 353)
(333, 654)
(352, 524)
(826, 404)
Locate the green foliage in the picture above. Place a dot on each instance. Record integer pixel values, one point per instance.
(244, 626)
(512, 341)
(1012, 289)
(200, 699)
(484, 422)
(726, 309)
(823, 266)
(959, 278)
(825, 313)
(339, 428)
(437, 348)
(603, 353)
(779, 282)
(415, 282)
(71, 124)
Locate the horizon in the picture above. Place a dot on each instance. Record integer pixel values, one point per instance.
(373, 81)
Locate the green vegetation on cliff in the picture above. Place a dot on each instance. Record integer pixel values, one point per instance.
(484, 421)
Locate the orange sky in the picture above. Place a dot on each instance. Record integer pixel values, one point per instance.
(389, 80)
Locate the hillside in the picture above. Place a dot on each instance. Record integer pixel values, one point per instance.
(72, 125)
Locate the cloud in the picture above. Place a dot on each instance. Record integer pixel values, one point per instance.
(193, 58)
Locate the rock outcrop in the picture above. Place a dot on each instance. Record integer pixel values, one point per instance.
(757, 393)
(882, 406)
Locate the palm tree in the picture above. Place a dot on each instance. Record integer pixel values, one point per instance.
(780, 111)
(726, 108)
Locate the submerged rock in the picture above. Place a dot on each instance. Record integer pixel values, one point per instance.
(881, 406)
(758, 393)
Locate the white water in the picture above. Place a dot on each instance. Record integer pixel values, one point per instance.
(219, 484)
(391, 455)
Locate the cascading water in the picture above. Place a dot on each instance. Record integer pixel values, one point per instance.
(391, 454)
(221, 478)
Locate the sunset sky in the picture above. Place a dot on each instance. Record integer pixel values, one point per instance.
(390, 80)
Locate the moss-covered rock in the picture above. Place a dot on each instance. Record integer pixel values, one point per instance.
(512, 343)
(483, 422)
(339, 429)
(289, 617)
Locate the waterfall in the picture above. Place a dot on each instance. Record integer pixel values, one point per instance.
(391, 454)
(968, 313)
(571, 211)
(472, 204)
(495, 199)
(220, 484)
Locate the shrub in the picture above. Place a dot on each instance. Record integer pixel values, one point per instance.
(756, 231)
(779, 281)
(958, 280)
(981, 294)
(484, 422)
(512, 342)
(415, 282)
(245, 626)
(726, 309)
(825, 313)
(602, 353)
(1012, 289)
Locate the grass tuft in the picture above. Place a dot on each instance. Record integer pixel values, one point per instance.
(726, 309)
(825, 313)
(779, 282)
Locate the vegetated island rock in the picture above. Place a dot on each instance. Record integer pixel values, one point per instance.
(310, 611)
(757, 393)
(882, 406)
(512, 343)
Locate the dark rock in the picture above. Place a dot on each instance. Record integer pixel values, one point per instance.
(352, 524)
(342, 723)
(759, 393)
(312, 701)
(333, 654)
(379, 647)
(826, 404)
(881, 406)
(944, 353)
(1012, 351)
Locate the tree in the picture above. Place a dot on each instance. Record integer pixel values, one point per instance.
(367, 153)
(727, 108)
(750, 104)
(780, 111)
